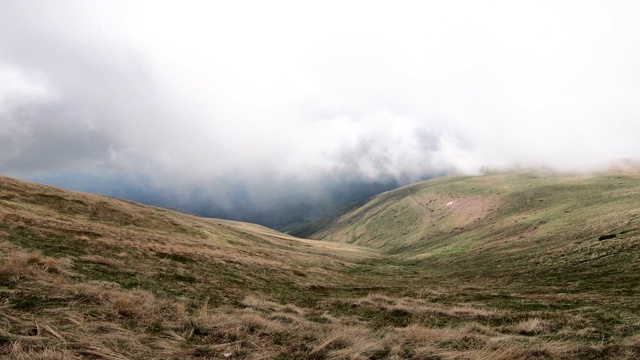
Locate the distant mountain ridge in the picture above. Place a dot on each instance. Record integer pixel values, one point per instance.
(285, 207)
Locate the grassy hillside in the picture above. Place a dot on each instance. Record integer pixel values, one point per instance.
(516, 241)
(518, 272)
(577, 232)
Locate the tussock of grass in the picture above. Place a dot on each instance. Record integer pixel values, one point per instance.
(533, 326)
(17, 264)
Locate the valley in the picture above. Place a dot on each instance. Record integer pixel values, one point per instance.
(511, 265)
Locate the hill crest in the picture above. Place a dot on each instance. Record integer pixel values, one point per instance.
(423, 218)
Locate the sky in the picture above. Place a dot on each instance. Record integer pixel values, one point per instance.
(282, 97)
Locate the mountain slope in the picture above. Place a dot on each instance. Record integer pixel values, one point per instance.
(426, 217)
(100, 277)
(564, 228)
(86, 276)
(59, 222)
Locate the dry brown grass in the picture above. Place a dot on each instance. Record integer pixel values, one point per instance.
(260, 329)
(533, 326)
(15, 265)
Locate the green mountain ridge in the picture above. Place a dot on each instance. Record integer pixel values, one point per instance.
(558, 227)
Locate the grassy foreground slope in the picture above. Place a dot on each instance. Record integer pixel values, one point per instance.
(86, 276)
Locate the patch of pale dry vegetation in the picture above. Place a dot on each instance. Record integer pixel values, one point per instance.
(17, 264)
(533, 326)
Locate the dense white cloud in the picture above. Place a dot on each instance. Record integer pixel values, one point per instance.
(194, 91)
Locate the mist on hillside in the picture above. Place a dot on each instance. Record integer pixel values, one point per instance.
(279, 112)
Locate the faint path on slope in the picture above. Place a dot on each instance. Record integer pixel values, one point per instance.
(424, 207)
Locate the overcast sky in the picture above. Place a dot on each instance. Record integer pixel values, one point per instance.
(191, 92)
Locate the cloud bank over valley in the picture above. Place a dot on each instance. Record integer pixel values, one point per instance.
(241, 108)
